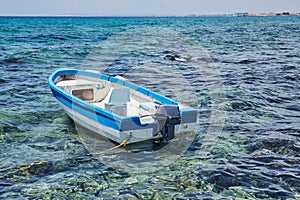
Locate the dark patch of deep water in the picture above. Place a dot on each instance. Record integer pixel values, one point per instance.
(256, 156)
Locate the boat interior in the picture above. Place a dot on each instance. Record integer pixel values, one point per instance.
(113, 97)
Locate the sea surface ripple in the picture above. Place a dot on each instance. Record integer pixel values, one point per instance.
(257, 154)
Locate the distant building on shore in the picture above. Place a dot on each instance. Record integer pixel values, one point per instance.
(241, 14)
(246, 14)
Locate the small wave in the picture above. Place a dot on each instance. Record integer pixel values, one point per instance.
(246, 61)
(11, 60)
(8, 128)
(49, 36)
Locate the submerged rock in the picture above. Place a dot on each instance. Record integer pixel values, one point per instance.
(192, 196)
(128, 194)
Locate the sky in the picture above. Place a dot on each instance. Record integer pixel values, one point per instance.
(143, 7)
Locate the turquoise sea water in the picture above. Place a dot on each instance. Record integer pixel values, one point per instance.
(244, 82)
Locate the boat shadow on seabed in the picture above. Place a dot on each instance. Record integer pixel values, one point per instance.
(148, 155)
(96, 143)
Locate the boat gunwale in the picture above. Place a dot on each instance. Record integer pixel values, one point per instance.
(98, 110)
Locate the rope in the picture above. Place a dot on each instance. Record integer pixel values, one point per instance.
(22, 169)
(113, 148)
(27, 167)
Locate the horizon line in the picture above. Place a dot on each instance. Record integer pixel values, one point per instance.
(83, 15)
(150, 15)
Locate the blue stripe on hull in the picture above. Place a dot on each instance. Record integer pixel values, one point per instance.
(124, 124)
(88, 112)
(103, 116)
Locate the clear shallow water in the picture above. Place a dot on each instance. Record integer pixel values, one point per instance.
(255, 156)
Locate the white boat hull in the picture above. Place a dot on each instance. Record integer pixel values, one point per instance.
(117, 109)
(119, 136)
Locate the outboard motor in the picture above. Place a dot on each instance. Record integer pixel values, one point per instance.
(167, 117)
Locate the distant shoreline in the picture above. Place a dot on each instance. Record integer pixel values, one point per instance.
(239, 14)
(245, 14)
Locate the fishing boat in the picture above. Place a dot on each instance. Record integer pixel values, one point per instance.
(118, 109)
